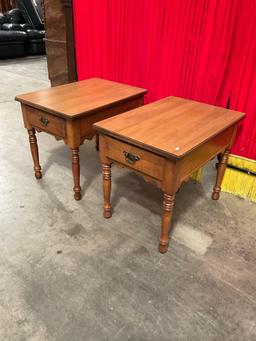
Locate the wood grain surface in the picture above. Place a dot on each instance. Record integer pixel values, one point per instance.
(80, 98)
(171, 126)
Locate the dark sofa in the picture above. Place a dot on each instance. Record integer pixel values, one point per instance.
(22, 30)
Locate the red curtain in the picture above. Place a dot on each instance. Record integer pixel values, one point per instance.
(198, 49)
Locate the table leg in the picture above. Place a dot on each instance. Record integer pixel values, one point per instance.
(76, 173)
(97, 142)
(34, 152)
(168, 205)
(222, 165)
(106, 173)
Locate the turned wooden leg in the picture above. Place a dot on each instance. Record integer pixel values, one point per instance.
(106, 173)
(222, 165)
(168, 205)
(97, 142)
(218, 158)
(34, 152)
(76, 173)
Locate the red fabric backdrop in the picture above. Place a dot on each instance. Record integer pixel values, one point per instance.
(198, 49)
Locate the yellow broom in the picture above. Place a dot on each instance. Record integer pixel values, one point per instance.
(239, 178)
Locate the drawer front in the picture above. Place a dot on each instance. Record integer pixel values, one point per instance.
(46, 122)
(135, 158)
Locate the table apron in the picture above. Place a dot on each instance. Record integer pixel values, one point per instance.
(86, 122)
(167, 173)
(205, 152)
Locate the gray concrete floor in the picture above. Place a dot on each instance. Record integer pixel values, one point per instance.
(69, 275)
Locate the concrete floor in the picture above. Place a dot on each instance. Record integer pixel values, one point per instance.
(69, 275)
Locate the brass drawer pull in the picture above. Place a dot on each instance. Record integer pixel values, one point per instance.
(44, 121)
(131, 158)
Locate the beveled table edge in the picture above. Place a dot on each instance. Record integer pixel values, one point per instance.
(157, 150)
(84, 113)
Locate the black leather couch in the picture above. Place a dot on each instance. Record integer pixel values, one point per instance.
(22, 30)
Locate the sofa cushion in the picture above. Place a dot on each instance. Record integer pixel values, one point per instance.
(35, 46)
(35, 34)
(11, 49)
(25, 26)
(12, 27)
(12, 36)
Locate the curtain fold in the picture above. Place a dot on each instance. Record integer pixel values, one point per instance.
(243, 78)
(199, 49)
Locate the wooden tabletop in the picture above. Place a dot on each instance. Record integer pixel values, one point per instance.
(80, 98)
(172, 126)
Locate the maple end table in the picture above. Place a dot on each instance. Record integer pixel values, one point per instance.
(69, 111)
(166, 141)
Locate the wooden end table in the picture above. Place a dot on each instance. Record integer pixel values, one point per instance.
(69, 111)
(165, 142)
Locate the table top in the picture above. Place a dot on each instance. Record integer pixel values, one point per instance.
(171, 126)
(80, 98)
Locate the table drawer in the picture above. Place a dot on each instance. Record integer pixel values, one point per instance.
(135, 157)
(46, 122)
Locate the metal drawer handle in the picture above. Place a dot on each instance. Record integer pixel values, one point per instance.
(44, 121)
(131, 158)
